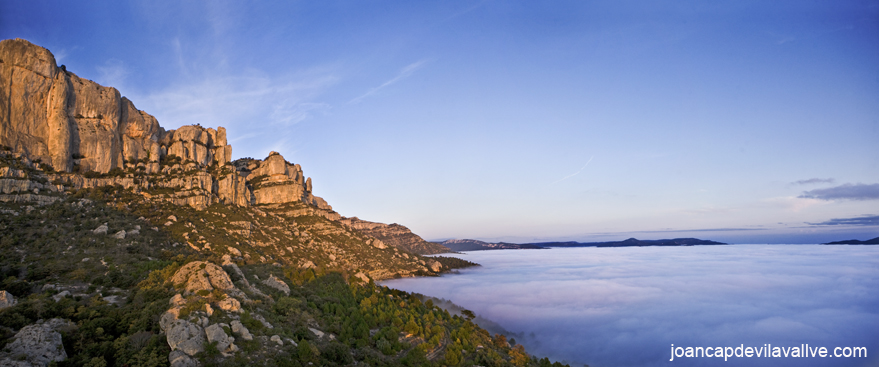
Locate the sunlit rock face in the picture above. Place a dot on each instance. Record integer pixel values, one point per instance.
(50, 114)
(70, 124)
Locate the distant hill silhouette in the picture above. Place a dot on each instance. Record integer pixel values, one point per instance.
(476, 245)
(632, 242)
(874, 241)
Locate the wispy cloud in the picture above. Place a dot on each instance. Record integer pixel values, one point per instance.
(794, 204)
(575, 173)
(864, 220)
(813, 181)
(403, 74)
(844, 192)
(112, 73)
(239, 100)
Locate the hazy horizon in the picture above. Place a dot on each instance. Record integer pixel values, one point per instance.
(747, 121)
(605, 237)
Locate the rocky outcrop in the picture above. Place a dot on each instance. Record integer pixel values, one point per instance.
(201, 275)
(276, 181)
(395, 235)
(182, 335)
(36, 345)
(242, 332)
(216, 334)
(16, 186)
(435, 266)
(277, 284)
(6, 300)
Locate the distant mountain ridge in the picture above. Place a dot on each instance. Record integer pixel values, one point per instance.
(476, 245)
(874, 241)
(631, 242)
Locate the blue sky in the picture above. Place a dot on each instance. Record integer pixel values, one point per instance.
(745, 121)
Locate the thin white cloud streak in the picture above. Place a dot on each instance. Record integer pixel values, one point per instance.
(113, 74)
(240, 100)
(625, 306)
(575, 173)
(403, 74)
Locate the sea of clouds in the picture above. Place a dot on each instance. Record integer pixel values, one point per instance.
(626, 306)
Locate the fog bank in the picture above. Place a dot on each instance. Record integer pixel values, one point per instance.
(626, 306)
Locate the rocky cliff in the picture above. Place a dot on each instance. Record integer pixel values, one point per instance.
(396, 235)
(82, 135)
(60, 134)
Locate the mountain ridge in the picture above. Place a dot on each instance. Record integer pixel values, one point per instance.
(874, 241)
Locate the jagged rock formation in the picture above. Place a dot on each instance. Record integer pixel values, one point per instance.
(395, 235)
(57, 121)
(61, 134)
(204, 283)
(84, 135)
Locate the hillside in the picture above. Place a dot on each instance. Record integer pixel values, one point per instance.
(396, 235)
(127, 244)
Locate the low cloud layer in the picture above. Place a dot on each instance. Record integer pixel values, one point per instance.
(626, 306)
(866, 220)
(844, 192)
(813, 181)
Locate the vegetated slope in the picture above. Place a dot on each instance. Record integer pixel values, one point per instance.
(68, 260)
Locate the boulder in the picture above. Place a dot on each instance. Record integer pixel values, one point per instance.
(278, 284)
(202, 275)
(37, 345)
(216, 334)
(178, 358)
(58, 297)
(6, 300)
(436, 266)
(276, 339)
(120, 235)
(185, 336)
(377, 243)
(362, 277)
(239, 329)
(102, 229)
(229, 304)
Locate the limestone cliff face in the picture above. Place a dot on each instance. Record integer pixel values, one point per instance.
(395, 235)
(52, 115)
(276, 181)
(84, 131)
